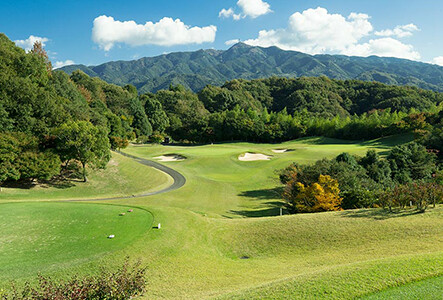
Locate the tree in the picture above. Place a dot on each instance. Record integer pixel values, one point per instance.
(9, 151)
(156, 115)
(140, 122)
(38, 165)
(83, 142)
(319, 196)
(40, 51)
(411, 162)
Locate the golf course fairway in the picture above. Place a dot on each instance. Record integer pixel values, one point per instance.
(221, 233)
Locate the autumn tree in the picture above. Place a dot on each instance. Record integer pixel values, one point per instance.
(323, 195)
(41, 52)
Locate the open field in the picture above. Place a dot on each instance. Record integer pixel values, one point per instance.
(217, 240)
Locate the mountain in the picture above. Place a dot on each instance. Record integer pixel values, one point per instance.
(197, 69)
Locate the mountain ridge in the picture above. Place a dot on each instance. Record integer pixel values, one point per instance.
(196, 69)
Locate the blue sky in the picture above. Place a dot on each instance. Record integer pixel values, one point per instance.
(96, 31)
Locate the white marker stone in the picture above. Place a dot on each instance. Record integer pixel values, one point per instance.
(159, 226)
(111, 236)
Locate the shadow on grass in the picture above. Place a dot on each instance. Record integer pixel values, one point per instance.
(379, 213)
(263, 194)
(55, 183)
(266, 209)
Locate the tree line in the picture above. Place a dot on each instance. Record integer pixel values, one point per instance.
(408, 176)
(50, 122)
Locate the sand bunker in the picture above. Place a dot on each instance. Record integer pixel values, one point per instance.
(253, 157)
(280, 150)
(170, 157)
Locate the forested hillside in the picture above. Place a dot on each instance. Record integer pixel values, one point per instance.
(49, 119)
(195, 70)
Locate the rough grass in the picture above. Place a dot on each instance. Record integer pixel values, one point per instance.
(218, 241)
(431, 288)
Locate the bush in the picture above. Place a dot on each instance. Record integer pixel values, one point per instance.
(127, 282)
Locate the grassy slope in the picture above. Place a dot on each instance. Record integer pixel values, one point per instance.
(431, 288)
(122, 177)
(198, 252)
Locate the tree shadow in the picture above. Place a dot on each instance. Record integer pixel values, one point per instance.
(265, 209)
(58, 183)
(379, 213)
(263, 194)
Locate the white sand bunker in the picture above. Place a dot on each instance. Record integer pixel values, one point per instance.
(280, 150)
(253, 156)
(170, 157)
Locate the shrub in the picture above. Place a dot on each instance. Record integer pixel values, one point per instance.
(127, 282)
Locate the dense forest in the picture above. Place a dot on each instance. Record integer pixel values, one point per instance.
(49, 119)
(195, 70)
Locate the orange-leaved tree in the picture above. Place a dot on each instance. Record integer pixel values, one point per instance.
(323, 195)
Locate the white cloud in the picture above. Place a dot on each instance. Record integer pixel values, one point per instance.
(250, 8)
(400, 31)
(254, 8)
(59, 64)
(316, 31)
(387, 47)
(227, 13)
(28, 44)
(232, 42)
(438, 61)
(107, 32)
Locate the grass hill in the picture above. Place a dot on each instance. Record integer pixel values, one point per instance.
(197, 69)
(217, 239)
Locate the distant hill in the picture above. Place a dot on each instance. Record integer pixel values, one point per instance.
(197, 69)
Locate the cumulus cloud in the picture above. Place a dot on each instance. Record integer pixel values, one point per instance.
(387, 47)
(107, 32)
(254, 8)
(438, 61)
(400, 31)
(28, 44)
(250, 8)
(232, 42)
(316, 31)
(227, 13)
(59, 64)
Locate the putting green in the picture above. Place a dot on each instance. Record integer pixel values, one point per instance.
(49, 237)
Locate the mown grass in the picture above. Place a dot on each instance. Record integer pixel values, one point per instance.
(122, 177)
(218, 239)
(47, 236)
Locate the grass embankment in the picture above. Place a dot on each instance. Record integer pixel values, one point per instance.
(122, 177)
(208, 248)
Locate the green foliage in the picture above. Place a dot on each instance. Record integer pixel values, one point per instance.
(411, 162)
(83, 142)
(140, 121)
(156, 115)
(21, 158)
(370, 180)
